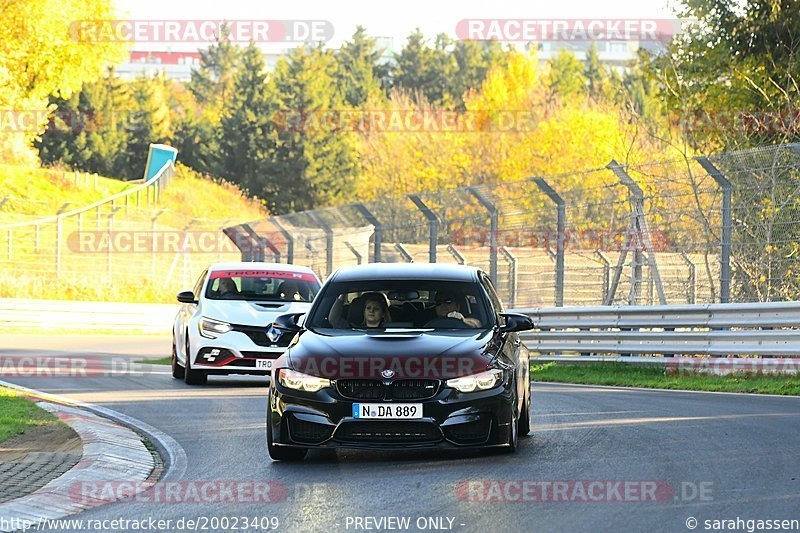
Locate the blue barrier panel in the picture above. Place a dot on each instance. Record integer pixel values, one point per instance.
(157, 157)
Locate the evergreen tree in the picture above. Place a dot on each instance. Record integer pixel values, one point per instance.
(213, 82)
(471, 61)
(313, 164)
(358, 73)
(244, 146)
(212, 86)
(596, 75)
(566, 75)
(148, 122)
(416, 66)
(88, 131)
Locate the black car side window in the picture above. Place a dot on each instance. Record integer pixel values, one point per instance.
(487, 284)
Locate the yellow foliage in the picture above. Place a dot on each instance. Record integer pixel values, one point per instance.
(39, 56)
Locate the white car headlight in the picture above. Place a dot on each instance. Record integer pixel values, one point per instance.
(477, 382)
(299, 381)
(210, 328)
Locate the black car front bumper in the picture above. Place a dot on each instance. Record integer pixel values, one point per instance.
(451, 419)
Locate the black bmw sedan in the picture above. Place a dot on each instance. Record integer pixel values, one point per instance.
(400, 356)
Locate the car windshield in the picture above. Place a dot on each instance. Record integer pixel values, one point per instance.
(256, 285)
(402, 304)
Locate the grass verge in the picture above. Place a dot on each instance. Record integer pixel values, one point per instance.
(18, 414)
(163, 361)
(657, 377)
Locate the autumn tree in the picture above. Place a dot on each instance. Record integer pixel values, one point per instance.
(45, 54)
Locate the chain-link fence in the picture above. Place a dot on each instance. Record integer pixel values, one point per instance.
(123, 248)
(692, 230)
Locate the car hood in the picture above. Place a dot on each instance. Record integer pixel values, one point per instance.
(250, 313)
(434, 355)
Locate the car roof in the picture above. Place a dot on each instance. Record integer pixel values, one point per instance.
(256, 265)
(422, 271)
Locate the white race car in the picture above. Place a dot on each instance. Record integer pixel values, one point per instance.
(224, 324)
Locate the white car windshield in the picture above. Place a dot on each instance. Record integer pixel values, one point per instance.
(273, 286)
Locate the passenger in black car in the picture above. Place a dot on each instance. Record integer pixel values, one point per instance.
(376, 310)
(370, 310)
(448, 306)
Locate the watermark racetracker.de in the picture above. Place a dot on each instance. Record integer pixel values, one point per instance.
(201, 31)
(541, 30)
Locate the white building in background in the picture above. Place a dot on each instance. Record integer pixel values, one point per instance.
(178, 65)
(616, 54)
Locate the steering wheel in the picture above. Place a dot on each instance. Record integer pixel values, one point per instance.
(446, 322)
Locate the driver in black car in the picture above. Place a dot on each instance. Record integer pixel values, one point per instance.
(447, 306)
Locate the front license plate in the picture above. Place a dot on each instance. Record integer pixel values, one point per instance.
(387, 410)
(263, 363)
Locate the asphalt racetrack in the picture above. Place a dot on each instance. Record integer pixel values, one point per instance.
(598, 458)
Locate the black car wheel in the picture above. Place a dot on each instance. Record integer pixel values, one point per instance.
(525, 419)
(177, 370)
(278, 453)
(513, 437)
(192, 377)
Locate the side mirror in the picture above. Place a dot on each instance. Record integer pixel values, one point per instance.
(516, 322)
(187, 297)
(289, 322)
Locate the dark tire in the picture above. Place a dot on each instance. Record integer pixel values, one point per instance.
(177, 370)
(525, 419)
(193, 377)
(513, 436)
(278, 453)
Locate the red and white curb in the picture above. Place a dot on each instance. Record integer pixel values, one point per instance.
(112, 453)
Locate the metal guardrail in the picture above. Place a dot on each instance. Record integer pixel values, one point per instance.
(765, 329)
(87, 316)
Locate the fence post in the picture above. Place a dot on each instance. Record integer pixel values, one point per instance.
(58, 246)
(59, 231)
(403, 252)
(328, 241)
(378, 235)
(561, 224)
(263, 244)
(354, 251)
(153, 244)
(512, 275)
(639, 225)
(10, 245)
(110, 242)
(725, 251)
(606, 271)
(692, 295)
(219, 245)
(456, 254)
(433, 225)
(288, 237)
(493, 228)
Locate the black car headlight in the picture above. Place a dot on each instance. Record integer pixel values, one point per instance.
(292, 379)
(477, 382)
(210, 328)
